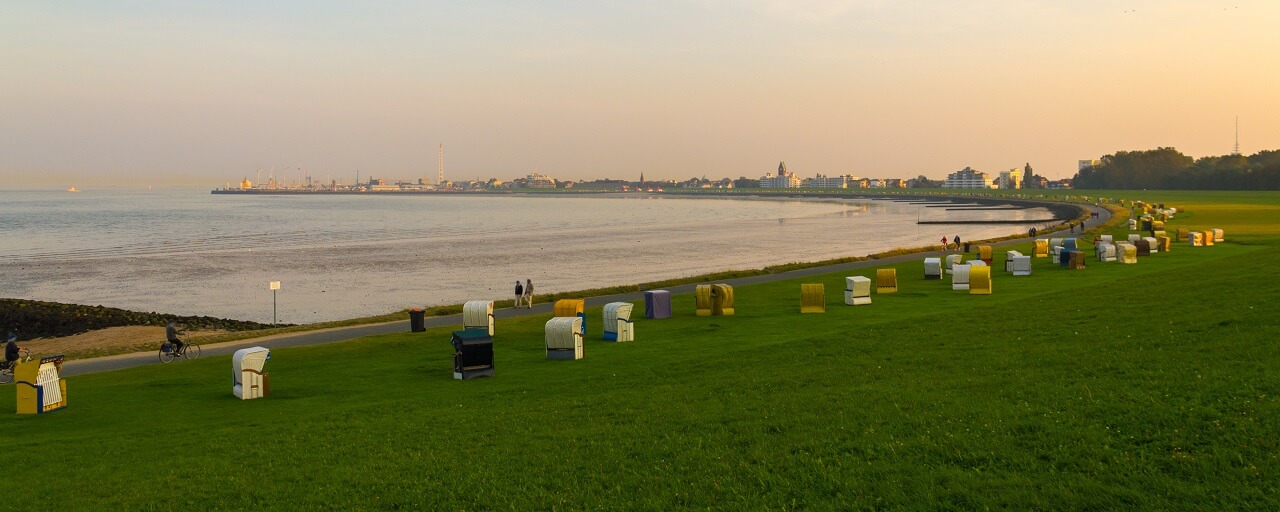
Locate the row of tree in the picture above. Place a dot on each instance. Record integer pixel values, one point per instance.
(1166, 168)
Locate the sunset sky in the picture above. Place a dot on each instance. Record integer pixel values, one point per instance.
(210, 92)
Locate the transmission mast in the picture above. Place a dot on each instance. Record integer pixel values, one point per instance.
(440, 167)
(1237, 149)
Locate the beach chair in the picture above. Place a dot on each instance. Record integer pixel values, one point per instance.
(953, 260)
(657, 304)
(984, 253)
(1153, 245)
(702, 300)
(1218, 234)
(813, 298)
(960, 277)
(1042, 248)
(1164, 243)
(1106, 252)
(248, 379)
(980, 281)
(617, 322)
(1182, 235)
(472, 354)
(1143, 247)
(1126, 253)
(857, 290)
(478, 314)
(1076, 260)
(933, 268)
(572, 307)
(1018, 263)
(564, 338)
(721, 299)
(886, 280)
(713, 299)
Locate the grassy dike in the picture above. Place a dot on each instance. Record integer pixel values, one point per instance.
(1120, 386)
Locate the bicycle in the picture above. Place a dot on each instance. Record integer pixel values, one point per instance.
(190, 350)
(7, 368)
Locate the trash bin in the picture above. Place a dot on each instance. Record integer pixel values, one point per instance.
(417, 320)
(966, 247)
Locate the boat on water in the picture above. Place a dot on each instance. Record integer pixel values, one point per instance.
(72, 189)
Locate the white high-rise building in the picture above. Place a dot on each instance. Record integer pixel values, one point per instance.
(968, 178)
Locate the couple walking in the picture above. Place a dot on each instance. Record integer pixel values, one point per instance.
(524, 294)
(946, 246)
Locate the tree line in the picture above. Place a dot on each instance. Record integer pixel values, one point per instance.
(1166, 168)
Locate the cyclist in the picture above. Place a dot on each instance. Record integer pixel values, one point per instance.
(11, 349)
(171, 332)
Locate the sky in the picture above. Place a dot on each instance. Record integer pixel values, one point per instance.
(210, 92)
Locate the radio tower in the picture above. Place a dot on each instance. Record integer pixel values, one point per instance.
(440, 163)
(1237, 149)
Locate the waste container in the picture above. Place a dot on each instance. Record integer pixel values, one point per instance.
(966, 247)
(417, 320)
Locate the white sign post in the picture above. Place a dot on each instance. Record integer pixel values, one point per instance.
(275, 285)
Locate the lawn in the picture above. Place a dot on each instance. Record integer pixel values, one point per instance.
(1120, 386)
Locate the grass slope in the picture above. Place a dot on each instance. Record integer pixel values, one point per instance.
(1121, 386)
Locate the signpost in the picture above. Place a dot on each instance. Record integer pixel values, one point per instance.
(275, 285)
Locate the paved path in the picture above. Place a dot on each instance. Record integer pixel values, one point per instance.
(117, 362)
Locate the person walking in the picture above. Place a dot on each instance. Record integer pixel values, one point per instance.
(519, 293)
(945, 245)
(528, 293)
(957, 243)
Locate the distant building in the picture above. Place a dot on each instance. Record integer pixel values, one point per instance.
(893, 183)
(784, 179)
(1010, 179)
(968, 178)
(1085, 164)
(824, 181)
(536, 180)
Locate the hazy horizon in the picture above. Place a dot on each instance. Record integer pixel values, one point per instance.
(207, 94)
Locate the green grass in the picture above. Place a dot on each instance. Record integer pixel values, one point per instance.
(1149, 386)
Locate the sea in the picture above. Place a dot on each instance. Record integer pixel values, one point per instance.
(185, 251)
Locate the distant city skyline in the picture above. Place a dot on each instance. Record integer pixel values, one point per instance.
(205, 94)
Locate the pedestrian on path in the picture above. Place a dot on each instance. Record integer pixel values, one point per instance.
(957, 243)
(945, 245)
(528, 293)
(519, 293)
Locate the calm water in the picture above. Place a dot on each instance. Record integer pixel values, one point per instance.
(188, 252)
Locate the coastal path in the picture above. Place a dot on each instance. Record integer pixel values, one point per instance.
(337, 334)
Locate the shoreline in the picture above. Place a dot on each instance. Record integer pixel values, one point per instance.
(441, 313)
